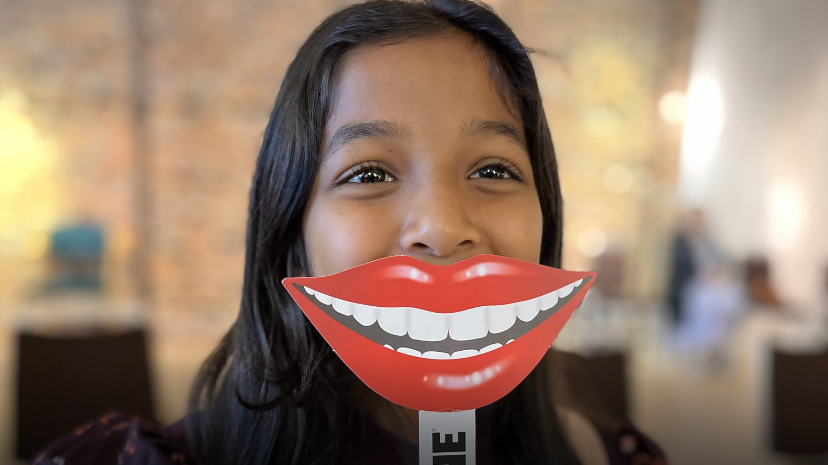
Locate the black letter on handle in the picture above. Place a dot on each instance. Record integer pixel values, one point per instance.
(440, 447)
(449, 460)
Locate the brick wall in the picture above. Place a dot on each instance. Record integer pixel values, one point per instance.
(174, 182)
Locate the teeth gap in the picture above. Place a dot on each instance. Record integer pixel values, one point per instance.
(483, 321)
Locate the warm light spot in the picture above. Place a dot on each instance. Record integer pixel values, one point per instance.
(592, 242)
(672, 107)
(30, 195)
(786, 214)
(705, 117)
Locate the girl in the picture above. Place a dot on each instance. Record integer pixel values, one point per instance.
(399, 129)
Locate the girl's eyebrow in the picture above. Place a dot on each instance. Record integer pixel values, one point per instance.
(479, 127)
(382, 129)
(364, 130)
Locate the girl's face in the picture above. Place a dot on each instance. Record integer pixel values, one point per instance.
(420, 157)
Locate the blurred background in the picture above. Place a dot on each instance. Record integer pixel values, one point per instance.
(692, 138)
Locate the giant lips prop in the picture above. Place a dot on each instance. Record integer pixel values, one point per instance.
(444, 340)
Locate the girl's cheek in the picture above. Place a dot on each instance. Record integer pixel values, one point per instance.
(347, 234)
(515, 227)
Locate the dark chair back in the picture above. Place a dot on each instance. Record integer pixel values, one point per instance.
(594, 384)
(799, 402)
(758, 280)
(66, 381)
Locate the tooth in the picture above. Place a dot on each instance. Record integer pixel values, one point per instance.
(490, 347)
(386, 345)
(325, 299)
(407, 351)
(566, 290)
(549, 300)
(365, 314)
(578, 282)
(343, 306)
(427, 326)
(464, 353)
(501, 317)
(394, 320)
(528, 309)
(510, 340)
(435, 355)
(468, 324)
(309, 290)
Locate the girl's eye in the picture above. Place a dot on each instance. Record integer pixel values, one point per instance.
(496, 171)
(370, 175)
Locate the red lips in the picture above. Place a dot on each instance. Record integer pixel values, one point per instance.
(401, 281)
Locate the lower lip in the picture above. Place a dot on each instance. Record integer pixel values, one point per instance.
(441, 385)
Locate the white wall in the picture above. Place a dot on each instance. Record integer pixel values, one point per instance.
(762, 173)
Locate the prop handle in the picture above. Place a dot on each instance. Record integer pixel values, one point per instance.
(447, 438)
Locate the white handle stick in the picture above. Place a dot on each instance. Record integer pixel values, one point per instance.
(447, 438)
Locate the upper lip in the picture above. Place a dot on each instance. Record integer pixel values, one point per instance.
(482, 280)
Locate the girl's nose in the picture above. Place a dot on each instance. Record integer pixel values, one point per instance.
(437, 225)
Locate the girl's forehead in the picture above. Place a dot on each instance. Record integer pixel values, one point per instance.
(427, 82)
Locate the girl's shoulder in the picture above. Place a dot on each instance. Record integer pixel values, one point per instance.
(121, 439)
(614, 443)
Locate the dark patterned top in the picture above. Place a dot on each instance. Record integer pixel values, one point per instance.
(120, 439)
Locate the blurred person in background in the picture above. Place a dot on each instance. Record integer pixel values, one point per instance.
(713, 302)
(691, 250)
(273, 391)
(705, 297)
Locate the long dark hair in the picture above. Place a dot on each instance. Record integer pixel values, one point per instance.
(272, 392)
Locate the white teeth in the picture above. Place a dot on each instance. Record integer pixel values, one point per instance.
(343, 306)
(325, 299)
(365, 314)
(464, 353)
(468, 324)
(407, 351)
(427, 326)
(501, 317)
(549, 300)
(566, 290)
(528, 309)
(490, 347)
(394, 320)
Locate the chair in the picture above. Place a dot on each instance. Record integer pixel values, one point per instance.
(66, 381)
(594, 384)
(799, 402)
(758, 281)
